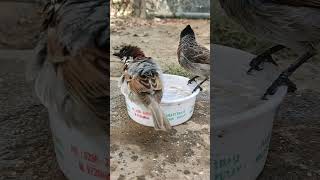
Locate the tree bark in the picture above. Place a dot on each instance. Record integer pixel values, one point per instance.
(139, 8)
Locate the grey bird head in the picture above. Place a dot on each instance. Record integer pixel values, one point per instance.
(187, 31)
(145, 68)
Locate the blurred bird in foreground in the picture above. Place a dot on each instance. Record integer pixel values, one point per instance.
(193, 57)
(288, 23)
(141, 78)
(70, 69)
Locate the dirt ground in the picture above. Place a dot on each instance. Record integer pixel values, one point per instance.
(26, 149)
(18, 29)
(159, 38)
(294, 151)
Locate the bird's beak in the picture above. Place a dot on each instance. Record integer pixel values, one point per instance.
(116, 54)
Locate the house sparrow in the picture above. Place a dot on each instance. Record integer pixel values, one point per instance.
(289, 23)
(70, 69)
(142, 79)
(193, 57)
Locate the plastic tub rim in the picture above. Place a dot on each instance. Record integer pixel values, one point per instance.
(175, 101)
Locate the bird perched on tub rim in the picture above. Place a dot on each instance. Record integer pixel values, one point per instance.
(70, 67)
(141, 78)
(294, 24)
(193, 57)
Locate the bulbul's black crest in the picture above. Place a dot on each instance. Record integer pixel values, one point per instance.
(186, 31)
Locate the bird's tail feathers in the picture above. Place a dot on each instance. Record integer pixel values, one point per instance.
(159, 119)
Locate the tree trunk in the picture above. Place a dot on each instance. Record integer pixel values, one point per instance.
(139, 7)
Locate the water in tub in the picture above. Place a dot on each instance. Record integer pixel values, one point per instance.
(175, 91)
(175, 88)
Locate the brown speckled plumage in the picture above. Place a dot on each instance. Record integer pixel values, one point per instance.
(71, 68)
(192, 56)
(142, 79)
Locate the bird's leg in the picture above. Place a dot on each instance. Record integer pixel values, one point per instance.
(283, 78)
(264, 57)
(199, 85)
(192, 79)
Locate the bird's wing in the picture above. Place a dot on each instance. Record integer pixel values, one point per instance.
(140, 84)
(144, 79)
(299, 3)
(85, 77)
(197, 54)
(143, 87)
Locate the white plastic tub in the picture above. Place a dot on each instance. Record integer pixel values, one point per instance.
(81, 156)
(240, 139)
(177, 110)
(80, 141)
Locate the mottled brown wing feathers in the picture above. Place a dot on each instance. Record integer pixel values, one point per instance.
(197, 54)
(147, 86)
(299, 3)
(85, 76)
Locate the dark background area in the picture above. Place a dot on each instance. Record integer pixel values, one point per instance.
(26, 149)
(295, 142)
